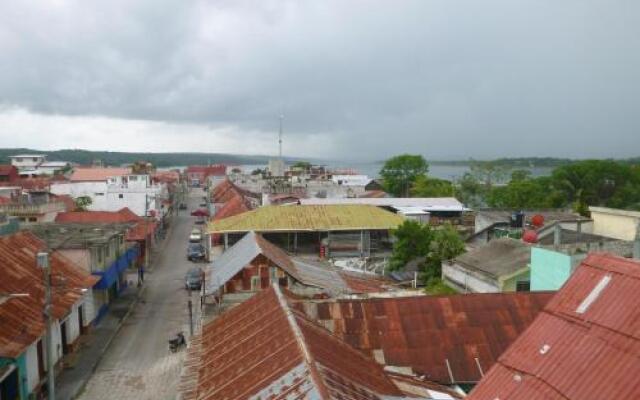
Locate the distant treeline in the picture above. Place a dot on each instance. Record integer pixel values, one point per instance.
(525, 162)
(114, 158)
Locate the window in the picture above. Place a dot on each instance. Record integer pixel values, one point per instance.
(121, 196)
(35, 159)
(255, 283)
(133, 178)
(99, 194)
(523, 286)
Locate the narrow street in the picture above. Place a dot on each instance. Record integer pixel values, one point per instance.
(138, 364)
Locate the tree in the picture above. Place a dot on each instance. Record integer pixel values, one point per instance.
(400, 172)
(446, 245)
(425, 186)
(82, 203)
(413, 240)
(469, 190)
(302, 165)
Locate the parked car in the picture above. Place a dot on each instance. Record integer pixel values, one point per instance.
(195, 236)
(195, 252)
(193, 279)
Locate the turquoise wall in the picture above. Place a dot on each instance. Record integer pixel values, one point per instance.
(549, 269)
(21, 365)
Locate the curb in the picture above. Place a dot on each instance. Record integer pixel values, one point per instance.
(108, 343)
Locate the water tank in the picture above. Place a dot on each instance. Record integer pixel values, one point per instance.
(517, 219)
(530, 236)
(537, 220)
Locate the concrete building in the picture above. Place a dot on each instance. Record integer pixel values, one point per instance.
(500, 266)
(112, 189)
(614, 223)
(27, 161)
(99, 249)
(33, 206)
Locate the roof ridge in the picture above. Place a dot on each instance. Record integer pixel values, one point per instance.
(297, 333)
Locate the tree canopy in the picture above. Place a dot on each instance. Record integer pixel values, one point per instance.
(399, 173)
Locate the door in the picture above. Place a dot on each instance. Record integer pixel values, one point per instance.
(63, 335)
(9, 389)
(41, 370)
(81, 319)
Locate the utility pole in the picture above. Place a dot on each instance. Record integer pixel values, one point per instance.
(280, 138)
(190, 318)
(43, 263)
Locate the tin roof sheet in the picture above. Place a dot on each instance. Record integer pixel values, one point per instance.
(264, 349)
(424, 333)
(309, 218)
(584, 345)
(423, 203)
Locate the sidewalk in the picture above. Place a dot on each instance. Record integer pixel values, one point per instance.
(80, 365)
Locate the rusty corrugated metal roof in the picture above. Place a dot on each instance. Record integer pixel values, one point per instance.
(262, 349)
(425, 333)
(584, 345)
(21, 319)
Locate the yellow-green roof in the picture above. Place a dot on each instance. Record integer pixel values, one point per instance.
(308, 218)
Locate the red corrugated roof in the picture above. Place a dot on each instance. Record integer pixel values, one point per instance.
(571, 355)
(21, 318)
(264, 349)
(424, 332)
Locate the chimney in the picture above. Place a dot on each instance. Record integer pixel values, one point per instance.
(557, 234)
(636, 243)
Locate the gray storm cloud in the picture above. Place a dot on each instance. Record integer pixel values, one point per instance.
(449, 79)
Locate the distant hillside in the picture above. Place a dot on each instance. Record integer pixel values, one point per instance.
(158, 159)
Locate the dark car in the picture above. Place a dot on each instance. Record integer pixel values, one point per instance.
(195, 252)
(193, 279)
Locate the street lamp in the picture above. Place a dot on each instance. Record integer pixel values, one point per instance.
(42, 260)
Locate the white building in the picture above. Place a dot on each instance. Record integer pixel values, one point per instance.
(111, 189)
(27, 161)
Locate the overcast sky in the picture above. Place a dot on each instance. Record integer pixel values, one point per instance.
(354, 79)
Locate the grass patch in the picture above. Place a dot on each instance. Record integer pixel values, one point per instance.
(437, 287)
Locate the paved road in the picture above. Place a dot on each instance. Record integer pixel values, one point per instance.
(138, 364)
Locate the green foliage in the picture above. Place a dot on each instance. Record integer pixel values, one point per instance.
(82, 203)
(303, 165)
(469, 190)
(85, 157)
(400, 172)
(413, 240)
(416, 241)
(425, 186)
(446, 245)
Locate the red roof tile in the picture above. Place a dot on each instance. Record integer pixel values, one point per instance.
(264, 349)
(423, 333)
(207, 170)
(84, 174)
(22, 318)
(121, 216)
(584, 345)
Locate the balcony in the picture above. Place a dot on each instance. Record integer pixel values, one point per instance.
(29, 209)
